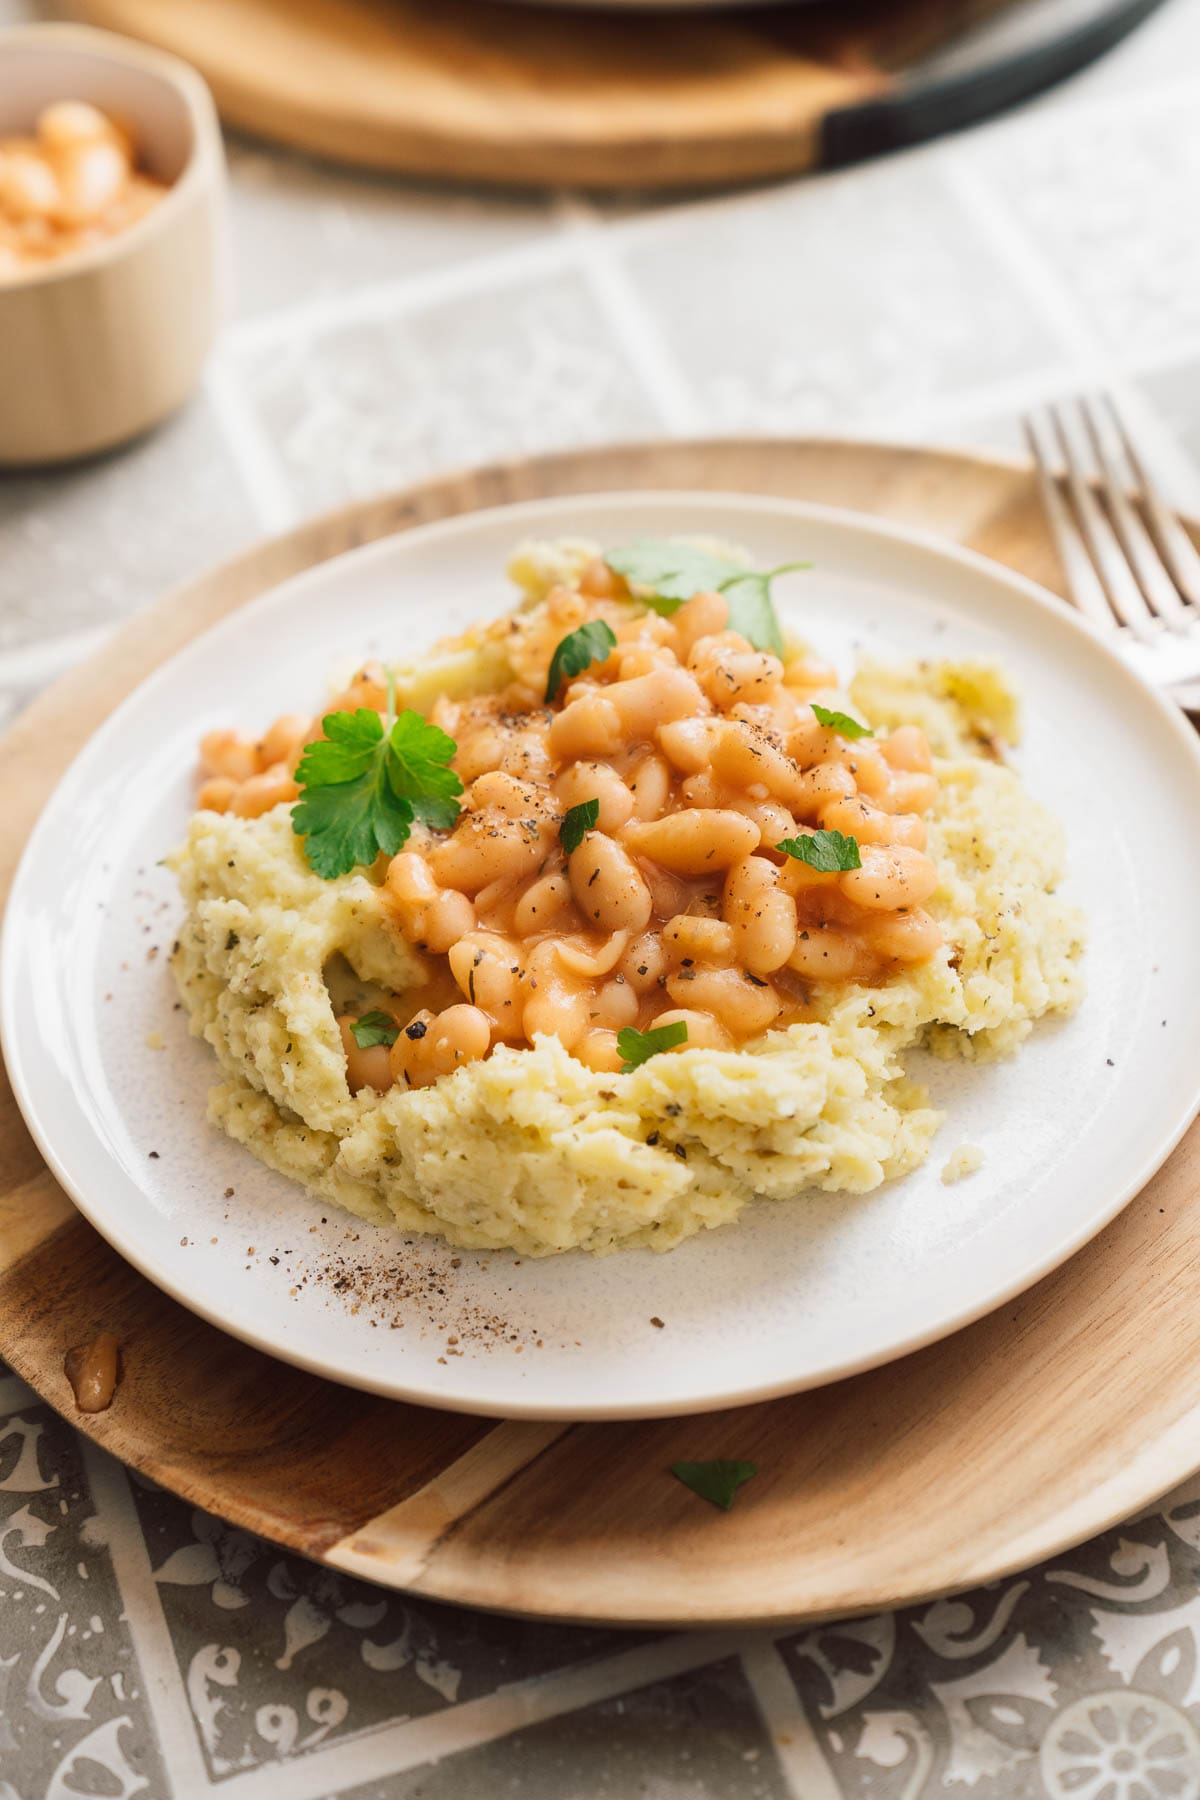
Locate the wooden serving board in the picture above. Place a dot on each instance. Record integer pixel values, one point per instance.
(1061, 1413)
(514, 93)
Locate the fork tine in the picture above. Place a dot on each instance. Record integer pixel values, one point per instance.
(1156, 584)
(1107, 555)
(1083, 584)
(1178, 551)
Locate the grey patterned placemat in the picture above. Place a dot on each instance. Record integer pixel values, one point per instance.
(146, 1648)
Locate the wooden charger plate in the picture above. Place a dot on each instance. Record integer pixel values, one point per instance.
(1056, 1416)
(474, 90)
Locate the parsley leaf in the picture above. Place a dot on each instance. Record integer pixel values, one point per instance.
(579, 821)
(827, 851)
(751, 609)
(345, 818)
(716, 1482)
(347, 750)
(589, 643)
(362, 788)
(840, 722)
(637, 1047)
(374, 1028)
(419, 756)
(670, 573)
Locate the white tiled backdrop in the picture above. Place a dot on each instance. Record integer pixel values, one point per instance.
(386, 330)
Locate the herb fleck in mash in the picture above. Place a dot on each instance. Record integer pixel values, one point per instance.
(614, 914)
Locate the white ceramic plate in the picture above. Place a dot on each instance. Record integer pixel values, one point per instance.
(798, 1292)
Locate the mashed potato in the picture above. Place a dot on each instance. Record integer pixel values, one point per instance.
(531, 1150)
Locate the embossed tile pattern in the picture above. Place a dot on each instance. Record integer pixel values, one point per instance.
(89, 545)
(1174, 393)
(836, 302)
(1168, 39)
(531, 368)
(305, 230)
(1104, 199)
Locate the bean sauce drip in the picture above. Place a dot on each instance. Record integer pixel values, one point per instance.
(704, 754)
(92, 1370)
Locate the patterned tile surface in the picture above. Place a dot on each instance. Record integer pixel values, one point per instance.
(279, 1655)
(385, 401)
(1175, 395)
(304, 230)
(1168, 39)
(1101, 198)
(72, 1698)
(698, 1736)
(843, 301)
(88, 546)
(1080, 1672)
(386, 331)
(147, 1648)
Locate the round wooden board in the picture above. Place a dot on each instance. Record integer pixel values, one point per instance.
(1059, 1414)
(517, 93)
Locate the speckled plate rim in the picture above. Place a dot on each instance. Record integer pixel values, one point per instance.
(519, 520)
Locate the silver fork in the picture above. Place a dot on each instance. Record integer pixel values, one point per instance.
(1129, 564)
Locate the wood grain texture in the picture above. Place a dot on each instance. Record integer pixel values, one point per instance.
(1064, 1411)
(519, 93)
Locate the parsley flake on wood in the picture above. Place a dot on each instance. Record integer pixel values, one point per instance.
(374, 1028)
(588, 643)
(827, 851)
(637, 1047)
(840, 722)
(578, 822)
(363, 787)
(717, 1482)
(668, 573)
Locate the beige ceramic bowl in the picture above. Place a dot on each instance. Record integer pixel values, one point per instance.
(102, 345)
